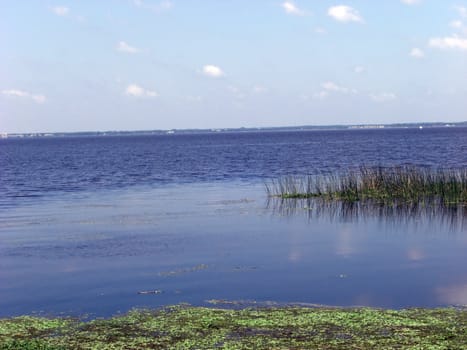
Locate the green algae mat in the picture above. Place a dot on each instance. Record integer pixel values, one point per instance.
(186, 327)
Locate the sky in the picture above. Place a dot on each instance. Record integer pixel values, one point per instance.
(86, 65)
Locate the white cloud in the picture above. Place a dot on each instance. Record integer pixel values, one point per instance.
(330, 86)
(411, 2)
(359, 69)
(159, 7)
(213, 71)
(24, 94)
(321, 95)
(292, 9)
(450, 42)
(14, 92)
(39, 98)
(61, 10)
(64, 11)
(462, 11)
(124, 47)
(417, 53)
(383, 97)
(258, 89)
(137, 91)
(134, 90)
(456, 24)
(344, 14)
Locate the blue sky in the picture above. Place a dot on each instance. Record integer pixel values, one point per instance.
(148, 64)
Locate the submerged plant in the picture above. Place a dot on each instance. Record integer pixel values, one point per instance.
(388, 185)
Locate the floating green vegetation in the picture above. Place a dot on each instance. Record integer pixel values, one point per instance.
(186, 327)
(405, 184)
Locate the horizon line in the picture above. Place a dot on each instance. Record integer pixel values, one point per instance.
(248, 128)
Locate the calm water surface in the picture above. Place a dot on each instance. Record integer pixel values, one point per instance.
(86, 224)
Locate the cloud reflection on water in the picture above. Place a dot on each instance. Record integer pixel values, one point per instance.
(345, 243)
(415, 255)
(453, 294)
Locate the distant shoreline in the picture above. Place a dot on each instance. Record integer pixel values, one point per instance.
(236, 130)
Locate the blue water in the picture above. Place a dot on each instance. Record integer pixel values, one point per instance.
(39, 167)
(86, 223)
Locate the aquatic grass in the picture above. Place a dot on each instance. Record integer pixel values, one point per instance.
(187, 327)
(388, 185)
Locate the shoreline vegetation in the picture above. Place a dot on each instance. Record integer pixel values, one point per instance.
(380, 185)
(188, 327)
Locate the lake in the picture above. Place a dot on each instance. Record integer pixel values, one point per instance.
(99, 225)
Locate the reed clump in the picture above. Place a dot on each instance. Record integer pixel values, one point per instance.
(402, 184)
